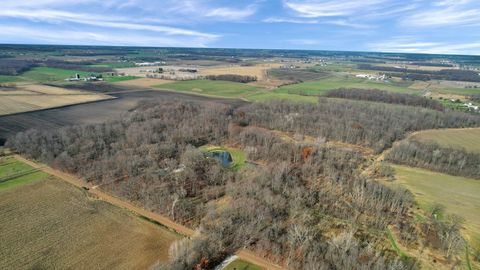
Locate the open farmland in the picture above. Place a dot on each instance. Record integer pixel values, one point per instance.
(47, 224)
(143, 82)
(460, 196)
(319, 87)
(212, 88)
(31, 97)
(58, 75)
(468, 138)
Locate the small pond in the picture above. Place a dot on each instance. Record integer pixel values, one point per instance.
(223, 156)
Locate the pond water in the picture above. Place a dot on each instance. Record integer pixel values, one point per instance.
(223, 156)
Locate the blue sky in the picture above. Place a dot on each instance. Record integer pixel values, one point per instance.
(443, 26)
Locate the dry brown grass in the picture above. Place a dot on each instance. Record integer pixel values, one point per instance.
(31, 97)
(50, 224)
(143, 82)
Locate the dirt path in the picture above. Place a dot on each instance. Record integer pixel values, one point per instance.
(165, 221)
(249, 256)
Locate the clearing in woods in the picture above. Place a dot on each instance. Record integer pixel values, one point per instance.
(468, 138)
(242, 265)
(47, 223)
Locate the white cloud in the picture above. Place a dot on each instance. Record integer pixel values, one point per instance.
(410, 45)
(288, 20)
(97, 20)
(329, 8)
(44, 35)
(446, 13)
(232, 14)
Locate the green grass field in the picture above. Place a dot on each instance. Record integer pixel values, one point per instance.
(457, 138)
(49, 75)
(9, 79)
(241, 265)
(459, 195)
(212, 88)
(11, 166)
(232, 90)
(322, 86)
(238, 155)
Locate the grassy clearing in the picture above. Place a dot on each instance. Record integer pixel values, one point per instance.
(23, 180)
(238, 155)
(212, 88)
(468, 138)
(11, 166)
(49, 224)
(322, 86)
(119, 78)
(241, 265)
(459, 195)
(9, 79)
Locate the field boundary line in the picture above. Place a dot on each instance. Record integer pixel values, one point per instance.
(165, 221)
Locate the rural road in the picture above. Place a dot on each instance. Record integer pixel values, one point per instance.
(243, 254)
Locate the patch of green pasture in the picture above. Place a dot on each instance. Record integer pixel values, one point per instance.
(320, 87)
(11, 166)
(242, 265)
(47, 74)
(212, 88)
(22, 180)
(9, 79)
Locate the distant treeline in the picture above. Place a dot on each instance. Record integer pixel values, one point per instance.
(375, 125)
(430, 64)
(432, 156)
(81, 66)
(425, 75)
(385, 97)
(15, 67)
(232, 78)
(296, 75)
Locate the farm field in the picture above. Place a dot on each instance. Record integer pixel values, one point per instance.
(47, 223)
(58, 75)
(319, 87)
(468, 138)
(9, 79)
(31, 97)
(232, 90)
(143, 82)
(460, 196)
(213, 88)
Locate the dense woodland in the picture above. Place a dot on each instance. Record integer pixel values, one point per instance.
(434, 157)
(14, 67)
(304, 205)
(364, 123)
(232, 78)
(385, 97)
